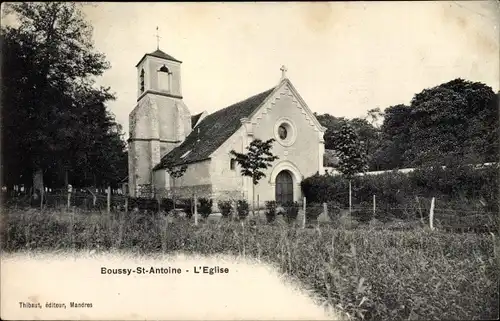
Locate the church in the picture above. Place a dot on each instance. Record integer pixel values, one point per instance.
(162, 130)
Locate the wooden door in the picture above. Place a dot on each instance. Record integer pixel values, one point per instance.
(284, 187)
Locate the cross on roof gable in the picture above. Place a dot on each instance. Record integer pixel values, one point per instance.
(218, 127)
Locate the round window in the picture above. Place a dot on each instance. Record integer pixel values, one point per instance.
(285, 132)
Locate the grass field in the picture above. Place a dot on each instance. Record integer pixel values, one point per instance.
(366, 273)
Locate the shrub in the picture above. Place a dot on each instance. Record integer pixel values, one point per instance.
(143, 204)
(205, 207)
(395, 192)
(334, 210)
(186, 205)
(225, 208)
(242, 209)
(271, 211)
(167, 204)
(291, 211)
(313, 211)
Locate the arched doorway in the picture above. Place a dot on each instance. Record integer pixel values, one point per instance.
(284, 187)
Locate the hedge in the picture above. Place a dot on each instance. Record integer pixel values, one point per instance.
(456, 187)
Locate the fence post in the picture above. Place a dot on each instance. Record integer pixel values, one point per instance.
(125, 192)
(325, 209)
(41, 198)
(71, 232)
(350, 198)
(431, 214)
(258, 211)
(195, 210)
(70, 189)
(374, 205)
(108, 208)
(304, 218)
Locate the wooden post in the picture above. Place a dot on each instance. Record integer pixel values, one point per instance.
(195, 210)
(72, 236)
(258, 209)
(350, 198)
(374, 205)
(304, 218)
(431, 214)
(108, 208)
(41, 199)
(234, 210)
(70, 189)
(325, 210)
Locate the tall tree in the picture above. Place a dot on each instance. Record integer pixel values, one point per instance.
(48, 75)
(455, 121)
(394, 139)
(352, 159)
(368, 138)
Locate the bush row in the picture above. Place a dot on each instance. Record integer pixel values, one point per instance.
(167, 205)
(407, 195)
(187, 206)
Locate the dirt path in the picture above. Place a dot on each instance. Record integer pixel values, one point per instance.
(250, 290)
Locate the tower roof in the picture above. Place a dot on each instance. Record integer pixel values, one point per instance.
(158, 54)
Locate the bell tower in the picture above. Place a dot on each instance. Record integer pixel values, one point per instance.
(159, 122)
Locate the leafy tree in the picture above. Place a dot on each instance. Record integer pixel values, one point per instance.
(54, 118)
(257, 158)
(369, 135)
(394, 140)
(352, 159)
(374, 116)
(368, 138)
(455, 121)
(332, 124)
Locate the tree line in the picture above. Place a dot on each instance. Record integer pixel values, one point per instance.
(453, 123)
(56, 128)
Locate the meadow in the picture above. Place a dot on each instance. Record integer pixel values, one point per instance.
(363, 272)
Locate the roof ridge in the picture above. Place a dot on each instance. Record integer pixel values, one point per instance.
(243, 100)
(214, 129)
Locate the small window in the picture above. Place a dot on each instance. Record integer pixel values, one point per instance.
(142, 81)
(164, 79)
(233, 164)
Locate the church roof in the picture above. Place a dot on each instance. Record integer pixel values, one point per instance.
(159, 54)
(213, 131)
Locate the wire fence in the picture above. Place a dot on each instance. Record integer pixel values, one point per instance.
(424, 211)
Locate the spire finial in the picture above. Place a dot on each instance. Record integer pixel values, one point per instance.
(283, 72)
(157, 39)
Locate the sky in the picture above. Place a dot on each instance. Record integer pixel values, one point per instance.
(344, 58)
